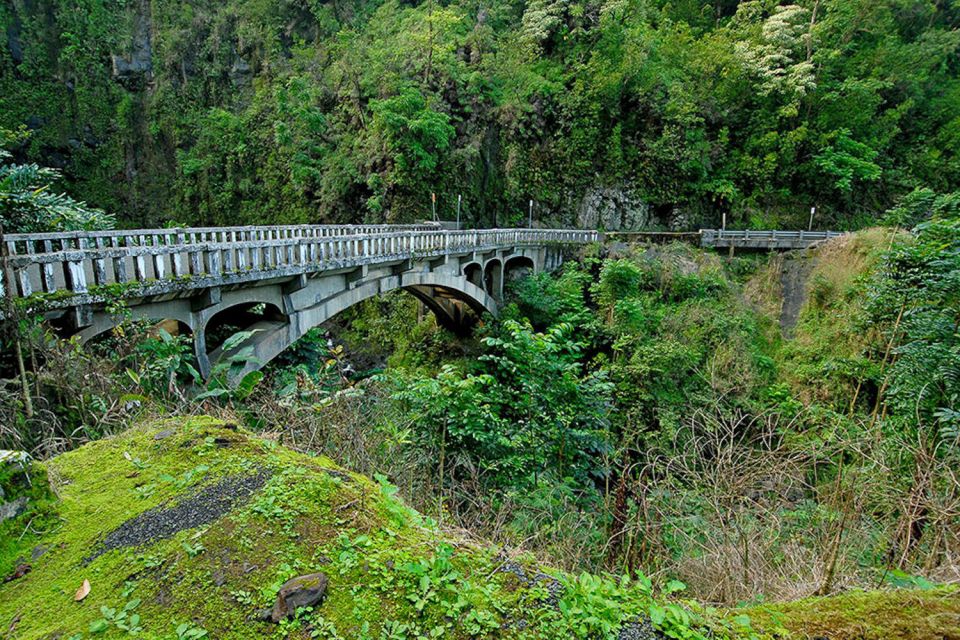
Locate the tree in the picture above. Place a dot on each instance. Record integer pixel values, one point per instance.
(847, 161)
(915, 298)
(414, 136)
(777, 58)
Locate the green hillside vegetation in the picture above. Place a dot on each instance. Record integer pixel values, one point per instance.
(642, 410)
(776, 435)
(672, 113)
(392, 573)
(654, 440)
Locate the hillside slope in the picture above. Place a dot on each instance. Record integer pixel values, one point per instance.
(192, 522)
(829, 350)
(607, 114)
(188, 527)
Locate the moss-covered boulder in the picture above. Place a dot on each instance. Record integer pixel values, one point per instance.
(25, 509)
(189, 528)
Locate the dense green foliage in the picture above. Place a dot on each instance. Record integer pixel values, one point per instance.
(256, 112)
(531, 410)
(724, 453)
(27, 202)
(638, 412)
(916, 298)
(748, 428)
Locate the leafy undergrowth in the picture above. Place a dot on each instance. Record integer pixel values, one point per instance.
(186, 528)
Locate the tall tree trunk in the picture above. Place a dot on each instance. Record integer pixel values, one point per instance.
(618, 526)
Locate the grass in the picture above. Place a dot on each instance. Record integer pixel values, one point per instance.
(828, 356)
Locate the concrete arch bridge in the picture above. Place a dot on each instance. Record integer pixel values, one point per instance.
(279, 281)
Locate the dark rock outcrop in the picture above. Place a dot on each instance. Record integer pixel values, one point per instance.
(299, 592)
(135, 69)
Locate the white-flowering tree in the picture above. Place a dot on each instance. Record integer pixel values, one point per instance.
(779, 57)
(541, 19)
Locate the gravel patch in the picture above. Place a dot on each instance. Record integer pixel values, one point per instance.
(553, 586)
(207, 505)
(639, 631)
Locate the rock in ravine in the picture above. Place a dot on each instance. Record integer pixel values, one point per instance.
(302, 591)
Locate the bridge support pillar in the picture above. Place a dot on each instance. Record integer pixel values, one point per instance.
(200, 350)
(355, 278)
(297, 284)
(206, 299)
(80, 317)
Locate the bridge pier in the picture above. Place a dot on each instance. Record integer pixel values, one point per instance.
(200, 352)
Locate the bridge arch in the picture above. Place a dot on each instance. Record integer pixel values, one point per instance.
(441, 293)
(152, 326)
(101, 323)
(517, 267)
(240, 316)
(473, 271)
(493, 277)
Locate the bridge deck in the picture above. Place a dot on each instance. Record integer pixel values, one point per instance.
(59, 268)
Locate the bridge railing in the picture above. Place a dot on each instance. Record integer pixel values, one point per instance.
(244, 254)
(33, 243)
(746, 238)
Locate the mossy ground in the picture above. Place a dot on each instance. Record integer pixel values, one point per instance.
(26, 530)
(393, 573)
(905, 614)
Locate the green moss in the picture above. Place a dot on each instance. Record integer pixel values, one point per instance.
(389, 569)
(39, 300)
(19, 536)
(906, 614)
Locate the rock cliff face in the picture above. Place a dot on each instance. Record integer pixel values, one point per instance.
(134, 68)
(248, 113)
(613, 209)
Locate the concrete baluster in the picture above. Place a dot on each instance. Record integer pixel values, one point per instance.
(159, 258)
(212, 260)
(75, 275)
(99, 263)
(177, 257)
(139, 264)
(46, 270)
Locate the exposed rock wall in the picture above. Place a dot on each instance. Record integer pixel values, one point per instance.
(612, 209)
